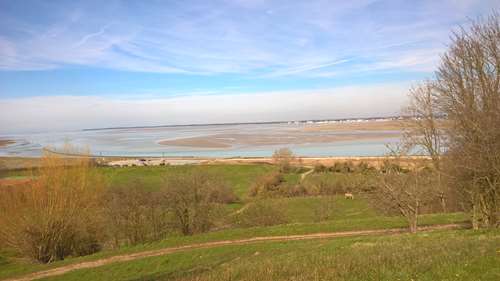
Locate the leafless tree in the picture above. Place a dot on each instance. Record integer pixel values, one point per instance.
(283, 157)
(405, 191)
(135, 215)
(466, 92)
(425, 131)
(192, 197)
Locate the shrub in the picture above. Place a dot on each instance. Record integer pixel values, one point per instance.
(344, 167)
(320, 168)
(363, 167)
(192, 197)
(135, 215)
(291, 190)
(283, 157)
(221, 193)
(55, 215)
(267, 184)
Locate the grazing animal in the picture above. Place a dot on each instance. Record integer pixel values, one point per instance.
(348, 196)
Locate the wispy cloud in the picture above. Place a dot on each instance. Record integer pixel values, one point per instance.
(91, 35)
(259, 38)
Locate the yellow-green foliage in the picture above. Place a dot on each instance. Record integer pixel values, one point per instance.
(56, 213)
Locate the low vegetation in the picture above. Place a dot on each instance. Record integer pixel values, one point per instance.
(55, 215)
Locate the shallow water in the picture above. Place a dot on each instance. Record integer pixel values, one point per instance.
(144, 142)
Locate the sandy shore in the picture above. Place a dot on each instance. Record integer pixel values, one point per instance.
(8, 163)
(374, 161)
(305, 134)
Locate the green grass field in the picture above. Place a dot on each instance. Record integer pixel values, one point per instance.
(444, 255)
(239, 177)
(10, 265)
(333, 259)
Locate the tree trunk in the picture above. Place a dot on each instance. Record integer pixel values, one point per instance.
(475, 218)
(443, 202)
(413, 225)
(442, 197)
(413, 221)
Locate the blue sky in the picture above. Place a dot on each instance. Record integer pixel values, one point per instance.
(169, 57)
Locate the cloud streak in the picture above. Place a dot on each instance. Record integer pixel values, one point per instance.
(269, 38)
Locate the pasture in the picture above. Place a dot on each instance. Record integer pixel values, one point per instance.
(302, 215)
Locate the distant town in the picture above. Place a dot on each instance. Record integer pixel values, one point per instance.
(296, 122)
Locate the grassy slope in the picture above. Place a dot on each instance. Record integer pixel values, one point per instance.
(345, 214)
(302, 209)
(12, 267)
(445, 255)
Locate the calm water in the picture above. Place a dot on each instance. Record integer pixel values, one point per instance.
(144, 142)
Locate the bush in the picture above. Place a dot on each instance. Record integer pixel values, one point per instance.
(267, 185)
(345, 167)
(323, 185)
(363, 167)
(283, 157)
(135, 215)
(320, 168)
(55, 215)
(292, 190)
(221, 193)
(192, 197)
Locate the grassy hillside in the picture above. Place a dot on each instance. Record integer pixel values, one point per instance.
(11, 265)
(281, 260)
(446, 255)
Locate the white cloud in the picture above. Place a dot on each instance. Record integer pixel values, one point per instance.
(231, 37)
(51, 113)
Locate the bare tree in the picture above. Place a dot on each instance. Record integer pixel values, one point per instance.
(192, 197)
(425, 131)
(283, 158)
(404, 190)
(467, 93)
(135, 215)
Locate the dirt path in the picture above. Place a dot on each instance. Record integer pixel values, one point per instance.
(304, 175)
(153, 253)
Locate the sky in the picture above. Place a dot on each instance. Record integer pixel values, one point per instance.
(69, 65)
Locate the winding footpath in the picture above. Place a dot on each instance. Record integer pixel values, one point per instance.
(153, 253)
(304, 175)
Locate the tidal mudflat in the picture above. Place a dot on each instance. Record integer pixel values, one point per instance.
(368, 138)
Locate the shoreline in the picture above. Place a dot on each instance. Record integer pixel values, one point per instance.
(13, 163)
(128, 161)
(6, 142)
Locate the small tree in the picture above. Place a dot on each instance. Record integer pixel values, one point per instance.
(283, 158)
(135, 215)
(406, 192)
(426, 131)
(466, 92)
(267, 184)
(57, 213)
(192, 197)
